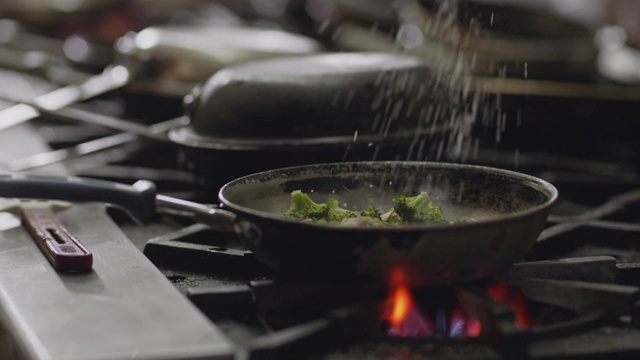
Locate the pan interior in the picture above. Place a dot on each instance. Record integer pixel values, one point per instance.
(465, 193)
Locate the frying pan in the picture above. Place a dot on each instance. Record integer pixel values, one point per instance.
(497, 216)
(303, 109)
(167, 62)
(315, 108)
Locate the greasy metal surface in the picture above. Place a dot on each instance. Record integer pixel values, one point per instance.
(124, 308)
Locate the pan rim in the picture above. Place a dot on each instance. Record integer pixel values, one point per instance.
(541, 186)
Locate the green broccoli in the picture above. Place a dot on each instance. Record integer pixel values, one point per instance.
(302, 207)
(372, 212)
(417, 208)
(336, 213)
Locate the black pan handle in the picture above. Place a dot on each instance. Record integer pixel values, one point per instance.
(139, 199)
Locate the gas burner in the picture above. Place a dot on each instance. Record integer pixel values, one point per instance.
(578, 285)
(521, 313)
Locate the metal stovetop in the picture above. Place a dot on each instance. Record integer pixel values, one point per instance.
(133, 304)
(124, 308)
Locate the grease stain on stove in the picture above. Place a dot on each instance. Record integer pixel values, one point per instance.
(176, 279)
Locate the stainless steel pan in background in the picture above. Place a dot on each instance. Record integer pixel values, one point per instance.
(496, 215)
(298, 110)
(164, 63)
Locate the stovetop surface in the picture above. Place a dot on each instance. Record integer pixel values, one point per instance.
(177, 290)
(594, 217)
(124, 307)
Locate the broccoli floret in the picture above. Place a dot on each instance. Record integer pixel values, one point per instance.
(372, 212)
(302, 207)
(417, 208)
(335, 213)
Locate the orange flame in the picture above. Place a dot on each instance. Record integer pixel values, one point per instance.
(512, 296)
(474, 328)
(401, 302)
(404, 318)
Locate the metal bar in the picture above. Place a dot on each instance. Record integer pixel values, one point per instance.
(592, 269)
(110, 79)
(88, 117)
(90, 147)
(583, 297)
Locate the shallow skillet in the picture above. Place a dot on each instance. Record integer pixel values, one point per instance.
(497, 215)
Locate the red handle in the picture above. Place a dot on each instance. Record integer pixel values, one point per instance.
(61, 248)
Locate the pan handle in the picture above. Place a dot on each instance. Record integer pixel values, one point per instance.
(216, 218)
(139, 199)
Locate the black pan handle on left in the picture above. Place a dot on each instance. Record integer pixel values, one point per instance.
(139, 199)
